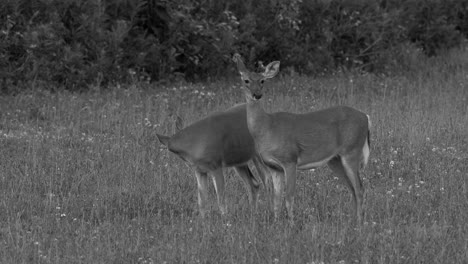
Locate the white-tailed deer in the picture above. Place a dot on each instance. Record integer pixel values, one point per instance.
(286, 142)
(217, 141)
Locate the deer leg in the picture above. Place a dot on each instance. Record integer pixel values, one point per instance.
(251, 184)
(290, 175)
(202, 181)
(351, 165)
(337, 167)
(219, 184)
(261, 169)
(277, 178)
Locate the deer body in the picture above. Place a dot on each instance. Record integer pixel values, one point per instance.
(213, 143)
(287, 137)
(222, 140)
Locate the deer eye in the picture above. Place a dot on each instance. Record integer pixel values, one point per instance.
(262, 81)
(246, 81)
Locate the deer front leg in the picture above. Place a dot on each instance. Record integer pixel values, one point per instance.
(218, 181)
(202, 182)
(290, 175)
(277, 178)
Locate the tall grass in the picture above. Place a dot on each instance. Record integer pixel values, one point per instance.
(83, 179)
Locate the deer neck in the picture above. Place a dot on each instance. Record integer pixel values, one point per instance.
(257, 119)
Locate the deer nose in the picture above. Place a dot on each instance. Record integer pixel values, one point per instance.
(257, 96)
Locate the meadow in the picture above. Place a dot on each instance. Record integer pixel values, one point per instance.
(83, 178)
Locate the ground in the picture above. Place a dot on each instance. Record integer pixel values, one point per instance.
(84, 180)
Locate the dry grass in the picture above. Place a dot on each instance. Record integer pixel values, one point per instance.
(83, 179)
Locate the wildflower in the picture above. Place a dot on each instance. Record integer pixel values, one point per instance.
(147, 122)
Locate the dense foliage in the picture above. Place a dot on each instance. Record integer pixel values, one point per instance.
(75, 43)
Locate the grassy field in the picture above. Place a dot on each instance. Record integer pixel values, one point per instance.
(84, 180)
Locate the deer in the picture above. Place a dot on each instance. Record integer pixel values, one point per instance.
(287, 142)
(218, 141)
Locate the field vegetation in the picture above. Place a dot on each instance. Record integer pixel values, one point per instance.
(84, 180)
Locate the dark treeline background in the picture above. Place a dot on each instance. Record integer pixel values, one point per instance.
(72, 44)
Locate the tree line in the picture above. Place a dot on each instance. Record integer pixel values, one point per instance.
(76, 43)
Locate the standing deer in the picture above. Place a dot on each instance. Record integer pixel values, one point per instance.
(287, 142)
(217, 141)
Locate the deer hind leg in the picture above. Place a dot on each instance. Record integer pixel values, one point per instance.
(202, 182)
(262, 170)
(219, 184)
(251, 184)
(351, 164)
(337, 167)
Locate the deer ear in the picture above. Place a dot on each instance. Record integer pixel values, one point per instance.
(163, 139)
(240, 64)
(271, 69)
